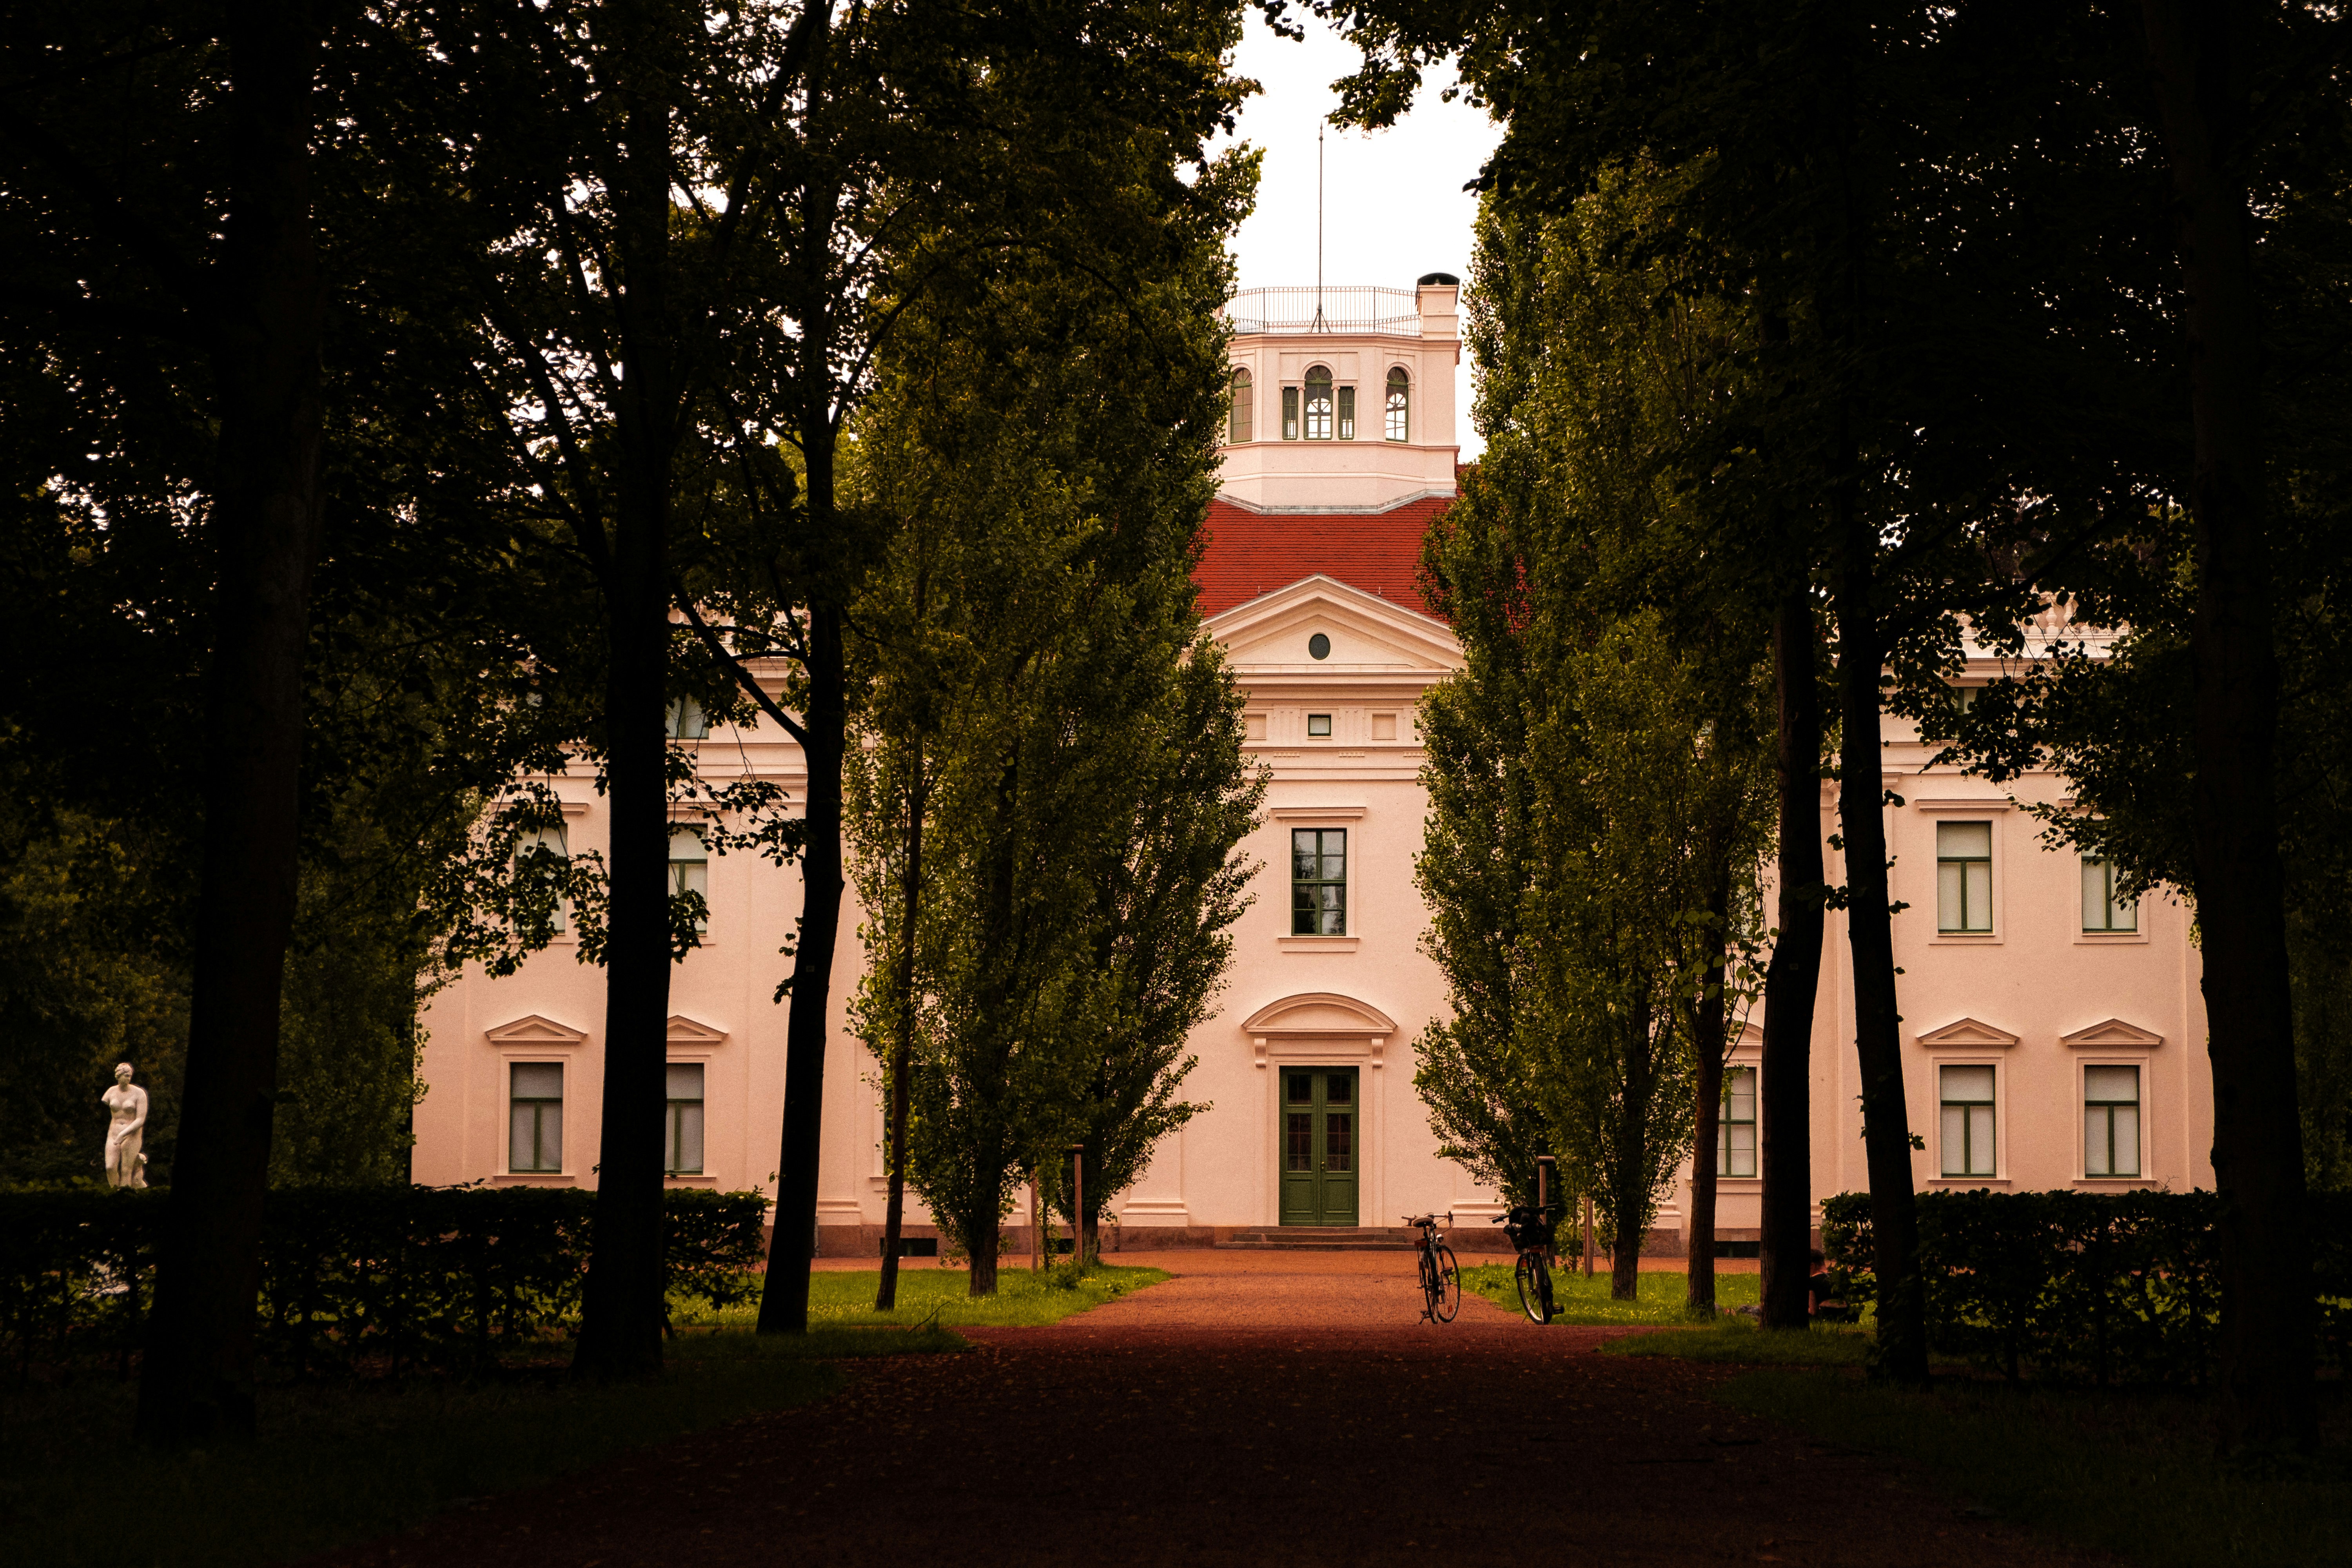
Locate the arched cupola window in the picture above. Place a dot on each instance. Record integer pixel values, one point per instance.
(1240, 421)
(1400, 409)
(1318, 402)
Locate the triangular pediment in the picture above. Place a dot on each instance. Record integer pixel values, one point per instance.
(531, 1029)
(2113, 1035)
(1318, 1012)
(1367, 633)
(1969, 1033)
(686, 1031)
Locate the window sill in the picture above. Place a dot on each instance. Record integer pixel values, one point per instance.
(1965, 939)
(684, 1179)
(1318, 943)
(1964, 1182)
(1739, 1183)
(534, 1179)
(2110, 938)
(2115, 1184)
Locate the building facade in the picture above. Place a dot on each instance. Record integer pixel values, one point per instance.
(2052, 1036)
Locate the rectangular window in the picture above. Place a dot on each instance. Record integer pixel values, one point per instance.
(683, 1136)
(1318, 882)
(2111, 1121)
(1346, 414)
(535, 1117)
(1735, 1135)
(1964, 876)
(1290, 414)
(2102, 910)
(541, 855)
(690, 869)
(1243, 418)
(686, 721)
(1966, 1094)
(1319, 725)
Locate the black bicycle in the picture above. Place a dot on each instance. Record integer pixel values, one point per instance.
(1441, 1276)
(1530, 1230)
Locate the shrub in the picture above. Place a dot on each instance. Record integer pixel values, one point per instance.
(354, 1278)
(2082, 1287)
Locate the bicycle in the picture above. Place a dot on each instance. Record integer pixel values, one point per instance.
(1441, 1276)
(1530, 1230)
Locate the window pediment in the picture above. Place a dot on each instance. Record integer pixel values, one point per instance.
(2113, 1034)
(686, 1031)
(531, 1029)
(1968, 1034)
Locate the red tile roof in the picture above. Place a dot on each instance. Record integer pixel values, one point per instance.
(1250, 554)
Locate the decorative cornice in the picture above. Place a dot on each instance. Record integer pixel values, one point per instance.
(1445, 493)
(1319, 1016)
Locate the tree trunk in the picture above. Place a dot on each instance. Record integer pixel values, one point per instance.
(197, 1381)
(1631, 1196)
(624, 1309)
(886, 1297)
(1710, 1019)
(2200, 56)
(1902, 1352)
(1793, 979)
(783, 1305)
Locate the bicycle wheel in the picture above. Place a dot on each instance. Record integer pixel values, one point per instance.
(1447, 1299)
(1535, 1287)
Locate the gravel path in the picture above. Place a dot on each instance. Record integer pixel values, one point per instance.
(1269, 1407)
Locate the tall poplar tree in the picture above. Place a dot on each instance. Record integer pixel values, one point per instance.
(1049, 447)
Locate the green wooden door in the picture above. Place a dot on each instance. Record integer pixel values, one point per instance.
(1320, 1147)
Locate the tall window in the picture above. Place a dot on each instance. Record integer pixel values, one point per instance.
(2111, 1121)
(2102, 910)
(687, 721)
(1966, 1094)
(1318, 882)
(1400, 416)
(1346, 414)
(541, 856)
(535, 1117)
(1735, 1135)
(690, 869)
(1238, 423)
(1319, 404)
(683, 1137)
(1964, 876)
(1290, 414)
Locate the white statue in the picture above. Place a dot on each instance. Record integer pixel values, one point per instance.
(127, 1102)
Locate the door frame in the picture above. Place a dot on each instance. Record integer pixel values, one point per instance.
(1354, 1109)
(1322, 1029)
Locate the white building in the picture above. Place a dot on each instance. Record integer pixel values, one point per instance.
(2053, 1039)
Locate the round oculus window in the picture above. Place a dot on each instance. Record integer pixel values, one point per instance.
(1319, 647)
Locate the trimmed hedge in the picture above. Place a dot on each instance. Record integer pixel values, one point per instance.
(2082, 1286)
(353, 1280)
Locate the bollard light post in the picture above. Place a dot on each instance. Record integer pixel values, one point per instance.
(1079, 1204)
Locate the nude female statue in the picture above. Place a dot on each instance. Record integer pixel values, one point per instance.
(125, 1165)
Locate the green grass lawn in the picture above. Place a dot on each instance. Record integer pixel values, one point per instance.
(2134, 1473)
(1738, 1341)
(925, 1293)
(1586, 1301)
(339, 1464)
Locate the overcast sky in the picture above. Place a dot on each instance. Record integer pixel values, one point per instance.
(1393, 205)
